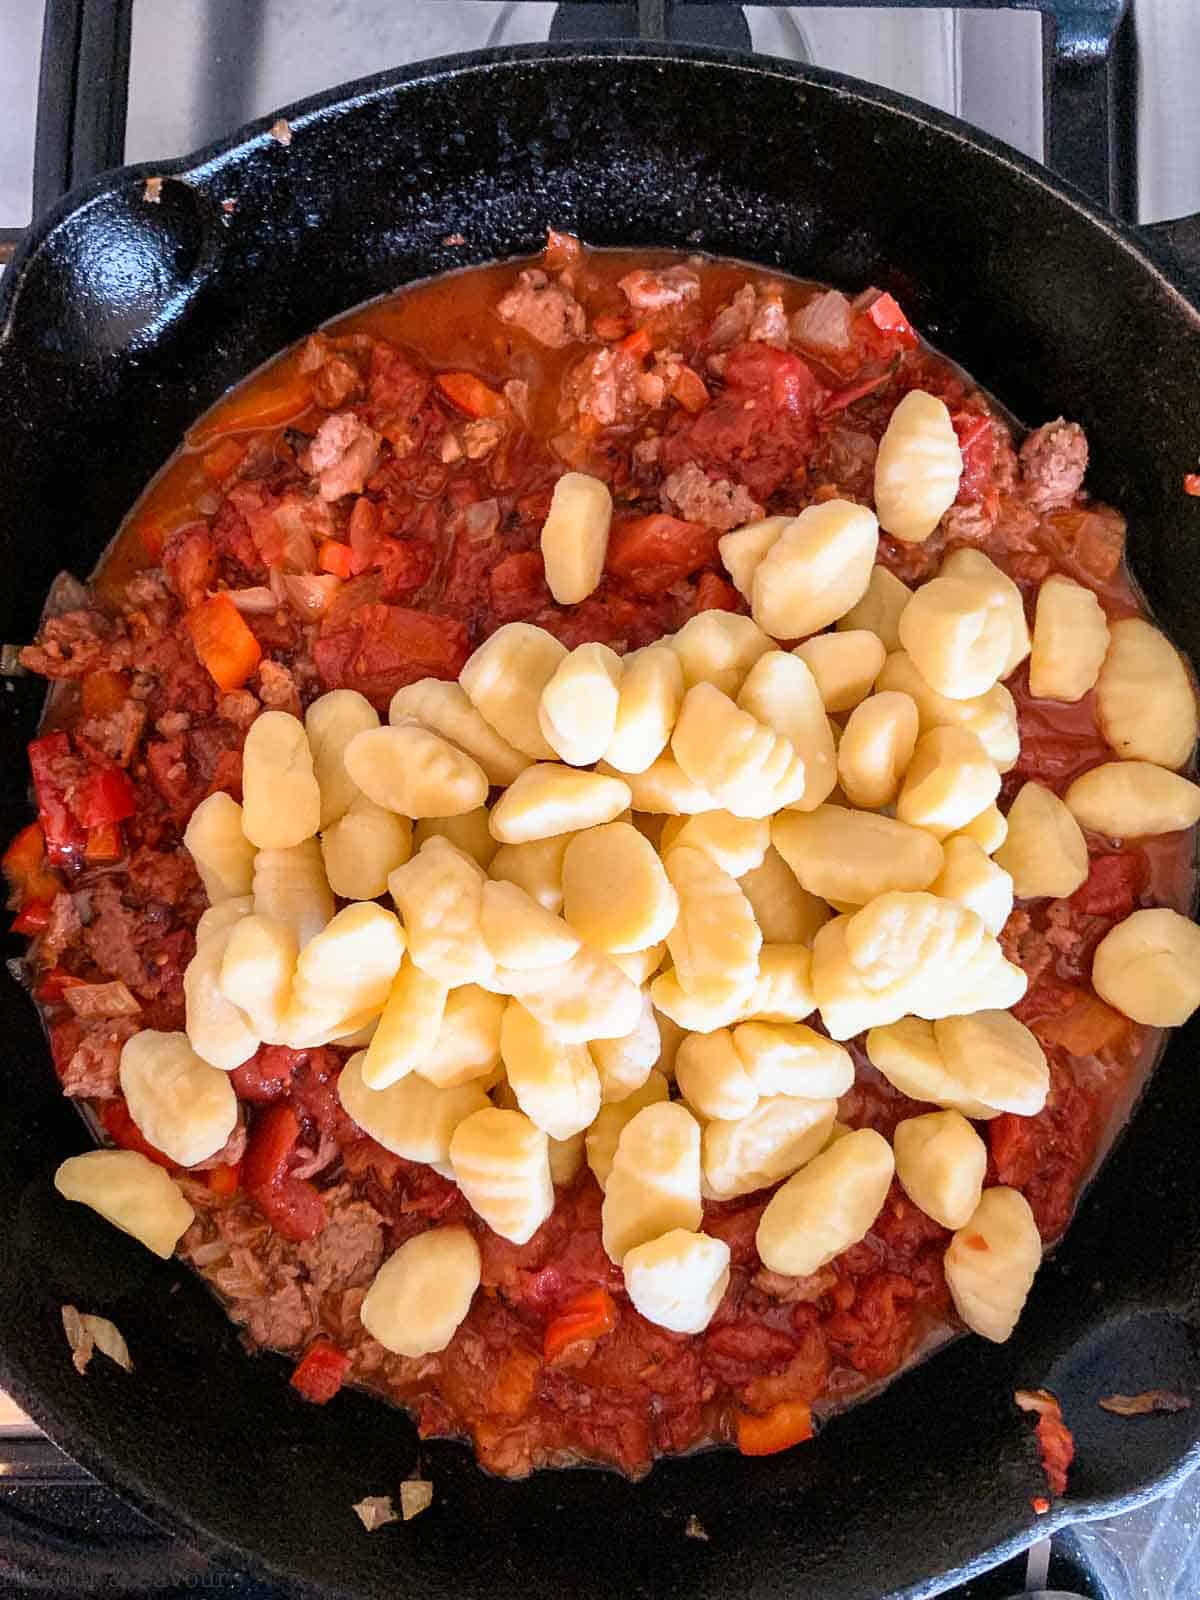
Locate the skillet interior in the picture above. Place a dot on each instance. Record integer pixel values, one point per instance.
(121, 320)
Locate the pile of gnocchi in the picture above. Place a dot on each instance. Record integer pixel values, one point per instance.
(576, 908)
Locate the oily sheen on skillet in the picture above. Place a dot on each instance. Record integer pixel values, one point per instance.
(933, 1478)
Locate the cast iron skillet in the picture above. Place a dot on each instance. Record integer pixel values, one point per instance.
(121, 320)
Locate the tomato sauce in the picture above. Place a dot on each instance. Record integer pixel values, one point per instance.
(778, 393)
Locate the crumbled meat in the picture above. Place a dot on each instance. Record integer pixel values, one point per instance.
(713, 501)
(62, 930)
(149, 594)
(277, 688)
(190, 562)
(647, 451)
(343, 455)
(348, 1250)
(134, 944)
(334, 375)
(239, 707)
(769, 324)
(794, 1291)
(118, 733)
(91, 1071)
(172, 723)
(1054, 459)
(546, 311)
(603, 387)
(253, 1268)
(168, 876)
(652, 291)
(75, 643)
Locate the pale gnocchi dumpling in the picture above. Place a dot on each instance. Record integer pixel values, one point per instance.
(997, 1059)
(1130, 799)
(852, 856)
(439, 894)
(782, 693)
(909, 1056)
(749, 768)
(991, 717)
(519, 932)
(639, 966)
(422, 1292)
(715, 940)
(714, 1004)
(654, 1182)
(410, 1117)
(469, 833)
(958, 634)
(444, 709)
(602, 1138)
(535, 867)
(743, 549)
(973, 879)
(786, 914)
(816, 570)
(1148, 967)
(504, 680)
(1144, 670)
(331, 722)
(678, 1280)
(566, 1159)
(845, 665)
(718, 647)
(131, 1192)
(950, 779)
(549, 799)
(290, 886)
(409, 1027)
(624, 1064)
(616, 893)
(788, 1058)
(556, 1083)
(770, 1142)
(1045, 852)
(712, 1077)
(575, 536)
(257, 970)
(467, 1046)
(876, 747)
(664, 789)
(917, 469)
(218, 922)
(184, 1107)
(501, 1163)
(941, 1162)
(363, 847)
(347, 969)
(218, 1031)
(583, 999)
(975, 567)
(879, 610)
(649, 694)
(827, 1206)
(1070, 640)
(991, 1263)
(988, 830)
(736, 844)
(223, 855)
(783, 990)
(578, 710)
(281, 800)
(415, 773)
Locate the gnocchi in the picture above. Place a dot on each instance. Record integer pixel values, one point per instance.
(410, 1117)
(654, 1182)
(736, 844)
(997, 1059)
(1044, 851)
(330, 723)
(769, 1143)
(469, 833)
(665, 789)
(748, 768)
(917, 468)
(583, 999)
(816, 570)
(1130, 799)
(853, 856)
(409, 1027)
(970, 877)
(788, 1058)
(719, 648)
(504, 680)
(415, 773)
(785, 913)
(623, 1064)
(348, 967)
(715, 1004)
(783, 989)
(876, 747)
(219, 1032)
(958, 635)
(949, 780)
(992, 1261)
(743, 549)
(439, 893)
(879, 610)
(712, 1077)
(715, 940)
(556, 1084)
(501, 1163)
(223, 855)
(290, 886)
(601, 1139)
(183, 1107)
(535, 867)
(844, 664)
(616, 893)
(549, 799)
(256, 973)
(519, 932)
(468, 1039)
(1070, 640)
(909, 1056)
(578, 710)
(991, 717)
(781, 692)
(1148, 967)
(131, 1192)
(1143, 668)
(975, 567)
(575, 536)
(281, 800)
(648, 700)
(422, 1292)
(363, 847)
(941, 1162)
(640, 965)
(827, 1206)
(988, 830)
(444, 709)
(678, 1280)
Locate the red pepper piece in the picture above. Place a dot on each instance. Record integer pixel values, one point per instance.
(320, 1372)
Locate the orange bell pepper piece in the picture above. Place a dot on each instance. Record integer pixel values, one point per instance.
(784, 1425)
(335, 557)
(690, 390)
(1084, 1028)
(24, 864)
(223, 641)
(471, 394)
(588, 1316)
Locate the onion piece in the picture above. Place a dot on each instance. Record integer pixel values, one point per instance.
(480, 520)
(824, 323)
(376, 1511)
(87, 1334)
(253, 602)
(1142, 1405)
(310, 594)
(416, 1495)
(101, 1000)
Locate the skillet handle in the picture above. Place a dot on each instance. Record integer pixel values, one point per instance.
(1178, 243)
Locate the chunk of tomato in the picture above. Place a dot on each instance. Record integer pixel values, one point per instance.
(651, 553)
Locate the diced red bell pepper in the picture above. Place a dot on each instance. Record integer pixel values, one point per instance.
(785, 1425)
(636, 345)
(25, 868)
(320, 1372)
(105, 796)
(292, 1206)
(126, 1135)
(224, 1178)
(471, 394)
(105, 843)
(32, 918)
(589, 1315)
(52, 983)
(54, 766)
(335, 557)
(889, 326)
(223, 641)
